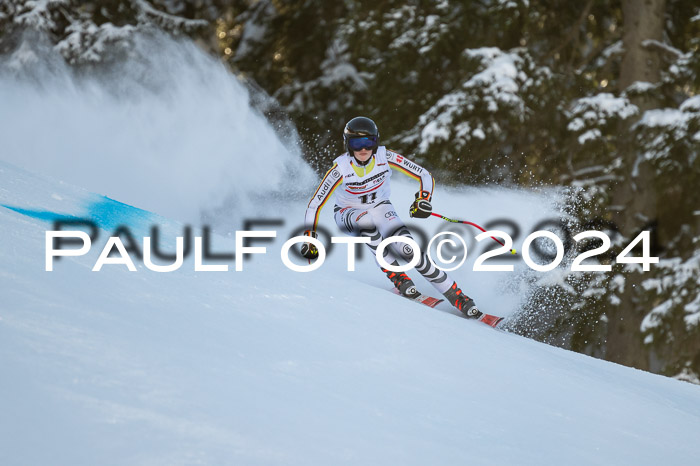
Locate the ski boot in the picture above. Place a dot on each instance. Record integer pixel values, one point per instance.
(403, 283)
(462, 302)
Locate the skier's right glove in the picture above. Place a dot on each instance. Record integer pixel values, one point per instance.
(308, 250)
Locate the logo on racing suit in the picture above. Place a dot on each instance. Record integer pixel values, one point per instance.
(335, 174)
(360, 216)
(407, 250)
(376, 179)
(390, 214)
(324, 190)
(412, 166)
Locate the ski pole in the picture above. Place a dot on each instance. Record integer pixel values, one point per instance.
(512, 251)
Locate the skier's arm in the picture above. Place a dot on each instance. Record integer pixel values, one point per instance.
(409, 168)
(325, 189)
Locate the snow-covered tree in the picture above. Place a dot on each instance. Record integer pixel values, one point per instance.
(85, 33)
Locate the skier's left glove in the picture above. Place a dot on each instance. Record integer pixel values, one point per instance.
(421, 207)
(308, 250)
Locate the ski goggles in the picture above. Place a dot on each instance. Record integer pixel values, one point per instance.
(369, 142)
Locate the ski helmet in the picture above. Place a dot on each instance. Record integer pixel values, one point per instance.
(361, 128)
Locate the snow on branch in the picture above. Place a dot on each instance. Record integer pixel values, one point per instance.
(494, 93)
(37, 14)
(148, 14)
(589, 115)
(88, 43)
(661, 131)
(671, 53)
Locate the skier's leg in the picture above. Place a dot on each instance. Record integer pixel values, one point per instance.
(462, 302)
(359, 222)
(389, 224)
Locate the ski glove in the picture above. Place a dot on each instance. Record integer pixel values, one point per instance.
(308, 250)
(421, 207)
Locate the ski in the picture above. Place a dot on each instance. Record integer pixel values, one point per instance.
(488, 319)
(421, 298)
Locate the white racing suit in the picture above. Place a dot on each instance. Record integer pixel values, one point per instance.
(363, 207)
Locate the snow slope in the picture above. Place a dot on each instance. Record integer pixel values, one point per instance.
(270, 366)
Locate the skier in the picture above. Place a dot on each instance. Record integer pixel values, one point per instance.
(363, 208)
